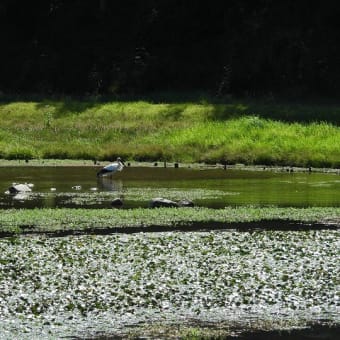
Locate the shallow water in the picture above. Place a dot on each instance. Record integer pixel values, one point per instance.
(216, 188)
(89, 285)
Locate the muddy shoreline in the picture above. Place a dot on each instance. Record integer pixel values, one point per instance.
(162, 164)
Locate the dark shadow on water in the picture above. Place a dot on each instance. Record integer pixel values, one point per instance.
(282, 225)
(314, 332)
(318, 332)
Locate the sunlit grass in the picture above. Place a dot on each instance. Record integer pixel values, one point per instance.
(187, 132)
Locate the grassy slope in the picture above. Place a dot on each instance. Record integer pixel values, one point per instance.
(250, 133)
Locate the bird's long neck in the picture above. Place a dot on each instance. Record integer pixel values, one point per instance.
(120, 165)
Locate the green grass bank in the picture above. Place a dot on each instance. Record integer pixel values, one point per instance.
(248, 132)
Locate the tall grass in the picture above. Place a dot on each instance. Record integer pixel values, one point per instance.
(140, 130)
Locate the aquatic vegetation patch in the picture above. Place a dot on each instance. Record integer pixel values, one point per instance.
(86, 198)
(88, 284)
(175, 193)
(142, 195)
(98, 198)
(63, 219)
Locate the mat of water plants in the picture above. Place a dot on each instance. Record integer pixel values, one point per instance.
(89, 285)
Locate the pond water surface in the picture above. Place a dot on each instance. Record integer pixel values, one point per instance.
(87, 286)
(216, 188)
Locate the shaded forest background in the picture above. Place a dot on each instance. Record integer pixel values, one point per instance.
(238, 47)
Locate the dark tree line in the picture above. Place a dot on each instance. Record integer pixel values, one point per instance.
(221, 47)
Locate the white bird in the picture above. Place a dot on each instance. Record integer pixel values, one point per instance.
(118, 165)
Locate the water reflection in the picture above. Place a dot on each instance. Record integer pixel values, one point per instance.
(108, 184)
(79, 187)
(21, 196)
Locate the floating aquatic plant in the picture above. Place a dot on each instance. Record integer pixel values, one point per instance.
(81, 285)
(49, 220)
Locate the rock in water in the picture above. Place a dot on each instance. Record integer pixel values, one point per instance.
(117, 202)
(162, 202)
(186, 203)
(16, 188)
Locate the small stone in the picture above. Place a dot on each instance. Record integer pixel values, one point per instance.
(117, 202)
(15, 188)
(162, 202)
(186, 203)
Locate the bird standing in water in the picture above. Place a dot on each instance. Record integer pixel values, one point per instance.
(118, 165)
